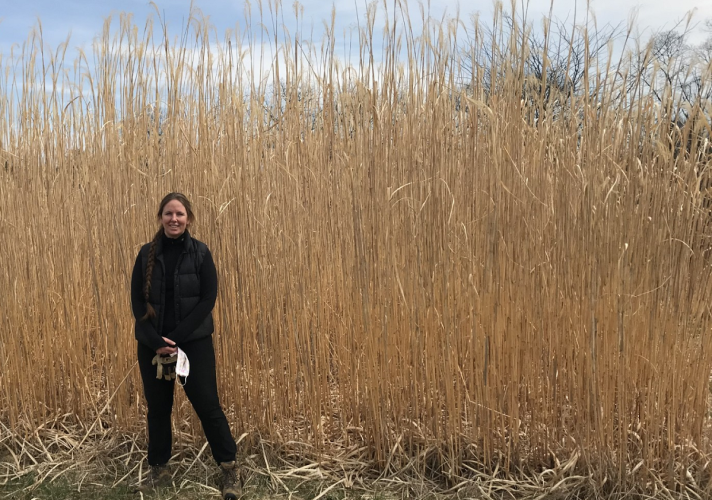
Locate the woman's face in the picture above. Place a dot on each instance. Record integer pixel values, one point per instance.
(174, 219)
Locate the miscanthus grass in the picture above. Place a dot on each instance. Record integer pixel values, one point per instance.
(429, 265)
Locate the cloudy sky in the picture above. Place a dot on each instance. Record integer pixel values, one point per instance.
(84, 18)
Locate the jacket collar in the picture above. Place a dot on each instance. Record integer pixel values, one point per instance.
(184, 238)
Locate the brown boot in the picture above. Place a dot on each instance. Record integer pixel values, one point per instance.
(229, 480)
(159, 476)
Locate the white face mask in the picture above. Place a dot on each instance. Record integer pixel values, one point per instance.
(182, 365)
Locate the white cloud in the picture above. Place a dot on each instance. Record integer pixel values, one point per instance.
(84, 18)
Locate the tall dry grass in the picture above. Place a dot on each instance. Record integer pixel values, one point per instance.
(410, 265)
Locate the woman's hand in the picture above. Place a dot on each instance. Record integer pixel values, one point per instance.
(167, 350)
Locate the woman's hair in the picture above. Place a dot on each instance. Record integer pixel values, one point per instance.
(150, 312)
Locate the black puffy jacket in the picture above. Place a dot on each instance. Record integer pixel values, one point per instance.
(186, 290)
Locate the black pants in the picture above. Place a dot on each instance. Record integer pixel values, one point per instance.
(202, 391)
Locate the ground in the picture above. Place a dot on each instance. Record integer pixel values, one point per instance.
(61, 489)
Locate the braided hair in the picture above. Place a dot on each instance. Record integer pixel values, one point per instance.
(150, 311)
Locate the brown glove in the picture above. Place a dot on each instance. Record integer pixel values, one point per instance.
(165, 366)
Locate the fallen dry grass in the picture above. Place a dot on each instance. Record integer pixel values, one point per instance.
(418, 278)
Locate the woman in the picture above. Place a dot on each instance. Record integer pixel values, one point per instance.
(173, 290)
